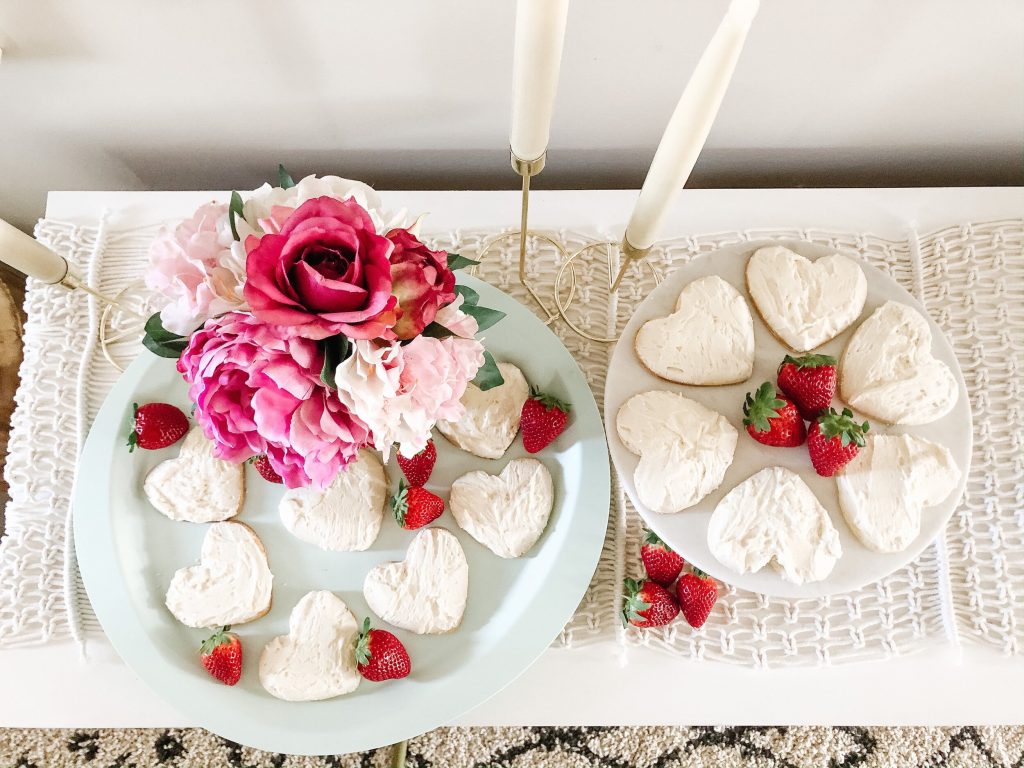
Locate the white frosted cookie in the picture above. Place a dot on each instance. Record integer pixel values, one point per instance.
(231, 584)
(507, 512)
(883, 491)
(708, 340)
(345, 516)
(888, 372)
(773, 517)
(317, 658)
(425, 593)
(491, 421)
(684, 448)
(194, 486)
(805, 303)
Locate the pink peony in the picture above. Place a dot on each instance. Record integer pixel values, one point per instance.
(326, 272)
(258, 390)
(401, 390)
(198, 268)
(421, 280)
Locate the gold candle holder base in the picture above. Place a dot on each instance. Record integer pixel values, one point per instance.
(122, 319)
(528, 169)
(122, 323)
(612, 249)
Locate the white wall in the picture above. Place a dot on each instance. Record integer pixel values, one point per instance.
(415, 93)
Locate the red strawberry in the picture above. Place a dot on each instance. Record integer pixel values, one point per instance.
(661, 563)
(156, 425)
(697, 594)
(380, 655)
(810, 382)
(417, 469)
(415, 507)
(834, 440)
(772, 419)
(648, 604)
(267, 472)
(222, 656)
(543, 419)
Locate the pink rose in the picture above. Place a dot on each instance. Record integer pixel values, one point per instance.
(258, 390)
(198, 268)
(326, 272)
(421, 280)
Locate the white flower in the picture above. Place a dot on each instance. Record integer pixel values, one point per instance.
(260, 203)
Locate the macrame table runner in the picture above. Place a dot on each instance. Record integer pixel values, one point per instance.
(968, 586)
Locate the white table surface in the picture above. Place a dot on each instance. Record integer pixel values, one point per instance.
(53, 686)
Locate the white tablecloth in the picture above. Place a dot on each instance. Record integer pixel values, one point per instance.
(968, 276)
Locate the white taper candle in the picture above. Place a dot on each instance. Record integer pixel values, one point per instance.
(28, 255)
(540, 32)
(688, 128)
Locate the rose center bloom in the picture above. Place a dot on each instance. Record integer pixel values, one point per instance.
(332, 263)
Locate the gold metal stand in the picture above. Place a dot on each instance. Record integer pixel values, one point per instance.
(632, 253)
(398, 754)
(612, 249)
(528, 169)
(74, 283)
(118, 321)
(123, 319)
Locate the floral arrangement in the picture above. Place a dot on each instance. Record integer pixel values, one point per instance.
(310, 323)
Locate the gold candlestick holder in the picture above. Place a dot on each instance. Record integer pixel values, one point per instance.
(613, 251)
(527, 169)
(122, 319)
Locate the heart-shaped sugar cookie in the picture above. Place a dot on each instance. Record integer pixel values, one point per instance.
(195, 486)
(805, 303)
(426, 592)
(883, 491)
(345, 516)
(708, 340)
(773, 517)
(684, 448)
(317, 658)
(492, 417)
(508, 512)
(231, 584)
(888, 373)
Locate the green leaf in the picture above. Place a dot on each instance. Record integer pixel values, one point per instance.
(809, 361)
(155, 329)
(284, 179)
(162, 342)
(488, 376)
(437, 331)
(455, 261)
(470, 298)
(485, 317)
(235, 209)
(336, 349)
(133, 435)
(169, 349)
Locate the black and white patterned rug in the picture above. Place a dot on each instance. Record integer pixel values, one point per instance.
(581, 747)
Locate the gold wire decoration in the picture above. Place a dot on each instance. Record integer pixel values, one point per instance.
(517, 234)
(527, 169)
(123, 319)
(612, 248)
